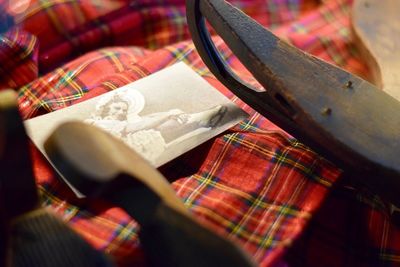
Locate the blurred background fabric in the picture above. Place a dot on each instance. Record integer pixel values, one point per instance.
(254, 184)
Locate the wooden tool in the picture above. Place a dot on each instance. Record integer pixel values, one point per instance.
(30, 235)
(18, 187)
(341, 116)
(377, 25)
(99, 165)
(18, 193)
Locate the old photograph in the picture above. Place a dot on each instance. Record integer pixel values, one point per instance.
(160, 116)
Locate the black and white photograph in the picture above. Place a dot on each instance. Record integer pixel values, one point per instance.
(161, 116)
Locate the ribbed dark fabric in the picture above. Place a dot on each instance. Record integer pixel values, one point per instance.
(41, 239)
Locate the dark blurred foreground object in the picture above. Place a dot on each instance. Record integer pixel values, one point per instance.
(341, 116)
(107, 168)
(376, 23)
(103, 167)
(30, 235)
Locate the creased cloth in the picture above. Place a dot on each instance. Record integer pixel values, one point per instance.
(255, 184)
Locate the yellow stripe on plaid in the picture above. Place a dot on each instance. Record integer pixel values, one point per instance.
(29, 49)
(114, 59)
(280, 158)
(208, 179)
(67, 78)
(110, 85)
(250, 198)
(56, 204)
(181, 54)
(282, 216)
(59, 26)
(40, 5)
(298, 165)
(78, 12)
(258, 200)
(37, 102)
(247, 235)
(139, 71)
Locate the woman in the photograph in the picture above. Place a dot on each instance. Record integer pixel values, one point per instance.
(150, 134)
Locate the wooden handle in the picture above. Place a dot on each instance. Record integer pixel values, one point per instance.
(17, 184)
(98, 164)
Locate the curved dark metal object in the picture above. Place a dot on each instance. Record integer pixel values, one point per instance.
(339, 115)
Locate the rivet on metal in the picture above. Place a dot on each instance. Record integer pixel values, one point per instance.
(349, 85)
(326, 111)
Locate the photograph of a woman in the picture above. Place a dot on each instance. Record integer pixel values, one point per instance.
(160, 116)
(151, 134)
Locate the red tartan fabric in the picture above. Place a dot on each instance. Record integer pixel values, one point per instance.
(254, 184)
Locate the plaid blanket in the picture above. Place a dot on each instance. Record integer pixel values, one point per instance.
(254, 184)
